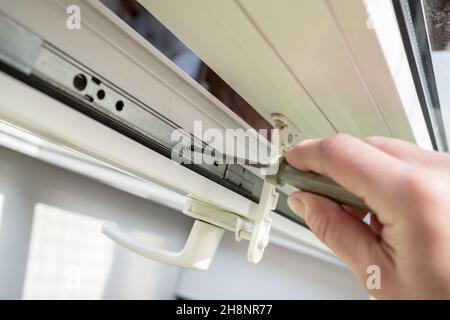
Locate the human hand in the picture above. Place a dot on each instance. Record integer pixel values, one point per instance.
(407, 187)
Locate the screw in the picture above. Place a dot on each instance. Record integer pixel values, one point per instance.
(290, 138)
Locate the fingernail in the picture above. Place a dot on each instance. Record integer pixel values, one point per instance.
(296, 205)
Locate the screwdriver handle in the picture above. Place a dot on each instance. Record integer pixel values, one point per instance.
(315, 183)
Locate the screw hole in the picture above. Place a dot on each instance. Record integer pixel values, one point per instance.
(96, 81)
(216, 163)
(101, 94)
(80, 82)
(119, 105)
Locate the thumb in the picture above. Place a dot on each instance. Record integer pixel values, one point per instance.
(349, 237)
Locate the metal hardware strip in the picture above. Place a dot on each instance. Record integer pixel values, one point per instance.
(37, 63)
(411, 22)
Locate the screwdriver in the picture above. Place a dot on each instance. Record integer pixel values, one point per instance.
(286, 174)
(314, 183)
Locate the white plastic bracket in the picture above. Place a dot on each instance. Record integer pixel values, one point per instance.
(242, 227)
(287, 135)
(263, 222)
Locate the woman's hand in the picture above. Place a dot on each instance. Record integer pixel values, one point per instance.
(409, 190)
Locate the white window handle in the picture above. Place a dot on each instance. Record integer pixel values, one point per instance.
(197, 253)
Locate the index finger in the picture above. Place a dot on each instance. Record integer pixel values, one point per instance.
(357, 166)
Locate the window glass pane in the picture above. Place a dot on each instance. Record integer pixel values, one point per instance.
(437, 15)
(421, 42)
(68, 257)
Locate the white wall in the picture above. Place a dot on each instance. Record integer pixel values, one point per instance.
(25, 182)
(282, 274)
(56, 250)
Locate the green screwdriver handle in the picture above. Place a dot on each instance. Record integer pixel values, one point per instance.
(315, 183)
